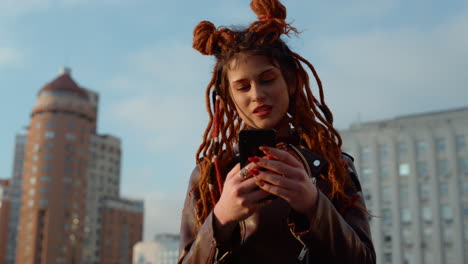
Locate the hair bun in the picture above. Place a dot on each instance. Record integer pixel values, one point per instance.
(205, 38)
(271, 24)
(267, 9)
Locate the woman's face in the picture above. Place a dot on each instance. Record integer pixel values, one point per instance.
(258, 90)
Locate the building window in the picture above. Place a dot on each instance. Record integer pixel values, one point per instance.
(405, 215)
(32, 180)
(49, 134)
(447, 213)
(465, 211)
(404, 169)
(422, 169)
(406, 235)
(365, 153)
(46, 167)
(444, 189)
(44, 190)
(69, 148)
(33, 169)
(383, 151)
(38, 125)
(50, 123)
(463, 165)
(36, 147)
(48, 156)
(448, 234)
(465, 186)
(45, 179)
(421, 147)
(365, 174)
(68, 170)
(404, 193)
(460, 142)
(424, 191)
(70, 136)
(442, 167)
(426, 213)
(387, 216)
(427, 233)
(66, 180)
(402, 149)
(440, 145)
(49, 144)
(384, 172)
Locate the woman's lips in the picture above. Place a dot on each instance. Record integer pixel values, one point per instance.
(262, 110)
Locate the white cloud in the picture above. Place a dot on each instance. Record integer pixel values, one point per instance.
(10, 56)
(381, 74)
(172, 66)
(162, 122)
(170, 82)
(13, 8)
(17, 8)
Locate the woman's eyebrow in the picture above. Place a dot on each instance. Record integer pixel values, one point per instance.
(260, 74)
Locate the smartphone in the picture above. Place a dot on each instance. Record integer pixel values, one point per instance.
(251, 140)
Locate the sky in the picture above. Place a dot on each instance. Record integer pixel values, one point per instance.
(376, 59)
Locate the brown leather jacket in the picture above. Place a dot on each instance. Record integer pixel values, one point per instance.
(277, 234)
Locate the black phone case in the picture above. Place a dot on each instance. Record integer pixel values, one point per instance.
(251, 140)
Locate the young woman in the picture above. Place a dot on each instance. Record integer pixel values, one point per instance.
(318, 215)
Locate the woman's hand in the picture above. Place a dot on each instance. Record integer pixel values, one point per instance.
(240, 198)
(286, 177)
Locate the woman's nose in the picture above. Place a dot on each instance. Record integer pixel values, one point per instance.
(258, 92)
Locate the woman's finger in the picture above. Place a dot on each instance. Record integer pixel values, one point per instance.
(278, 167)
(276, 179)
(277, 190)
(282, 155)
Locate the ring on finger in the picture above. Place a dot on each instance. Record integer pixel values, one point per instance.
(244, 173)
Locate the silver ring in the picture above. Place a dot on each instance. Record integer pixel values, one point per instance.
(244, 173)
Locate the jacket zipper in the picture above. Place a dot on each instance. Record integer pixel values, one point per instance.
(304, 249)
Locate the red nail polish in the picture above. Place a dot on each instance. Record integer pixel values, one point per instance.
(254, 172)
(269, 157)
(253, 159)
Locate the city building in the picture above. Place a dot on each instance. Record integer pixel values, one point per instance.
(64, 195)
(54, 176)
(163, 250)
(122, 228)
(414, 174)
(15, 198)
(4, 215)
(103, 180)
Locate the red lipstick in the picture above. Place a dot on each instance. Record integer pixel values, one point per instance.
(262, 110)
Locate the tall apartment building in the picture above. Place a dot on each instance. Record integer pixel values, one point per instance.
(70, 180)
(54, 176)
(122, 228)
(103, 180)
(4, 215)
(414, 174)
(15, 198)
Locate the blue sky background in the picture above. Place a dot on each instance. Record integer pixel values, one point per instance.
(376, 59)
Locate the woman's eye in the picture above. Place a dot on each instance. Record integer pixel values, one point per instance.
(243, 87)
(267, 80)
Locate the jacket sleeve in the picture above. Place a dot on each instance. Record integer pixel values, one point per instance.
(199, 245)
(339, 238)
